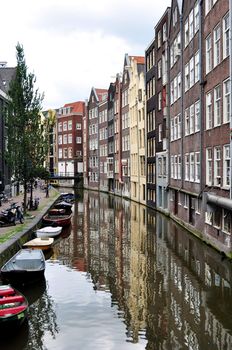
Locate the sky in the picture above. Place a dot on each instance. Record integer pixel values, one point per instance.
(73, 45)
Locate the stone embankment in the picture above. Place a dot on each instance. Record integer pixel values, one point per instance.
(13, 237)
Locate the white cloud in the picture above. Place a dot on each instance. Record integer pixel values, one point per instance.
(72, 45)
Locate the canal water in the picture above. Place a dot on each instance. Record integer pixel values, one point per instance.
(123, 277)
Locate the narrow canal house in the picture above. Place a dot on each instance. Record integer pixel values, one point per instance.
(103, 141)
(150, 122)
(137, 128)
(161, 110)
(96, 97)
(125, 129)
(70, 147)
(185, 101)
(117, 101)
(111, 138)
(6, 76)
(217, 104)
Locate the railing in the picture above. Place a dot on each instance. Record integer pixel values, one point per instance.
(65, 175)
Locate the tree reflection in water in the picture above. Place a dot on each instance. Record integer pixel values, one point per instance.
(42, 320)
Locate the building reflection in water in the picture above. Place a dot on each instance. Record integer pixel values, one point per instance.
(169, 288)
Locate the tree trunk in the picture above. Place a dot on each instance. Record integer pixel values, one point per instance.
(25, 197)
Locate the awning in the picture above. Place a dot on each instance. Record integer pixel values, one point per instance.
(220, 201)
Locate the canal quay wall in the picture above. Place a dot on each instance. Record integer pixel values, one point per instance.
(14, 243)
(207, 239)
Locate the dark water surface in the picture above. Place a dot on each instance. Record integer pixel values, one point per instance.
(123, 277)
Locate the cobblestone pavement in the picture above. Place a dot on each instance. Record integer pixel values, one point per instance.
(37, 193)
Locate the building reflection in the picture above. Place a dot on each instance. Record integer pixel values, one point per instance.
(170, 290)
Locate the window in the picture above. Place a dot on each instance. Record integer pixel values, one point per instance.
(226, 221)
(197, 67)
(187, 167)
(187, 122)
(159, 101)
(197, 167)
(69, 138)
(196, 17)
(209, 167)
(65, 139)
(197, 116)
(186, 33)
(70, 125)
(208, 48)
(187, 80)
(217, 105)
(60, 139)
(217, 166)
(159, 69)
(179, 167)
(78, 139)
(65, 153)
(160, 132)
(226, 166)
(191, 175)
(191, 68)
(226, 36)
(191, 26)
(60, 127)
(226, 101)
(65, 126)
(165, 31)
(191, 119)
(159, 39)
(217, 46)
(209, 110)
(70, 152)
(78, 126)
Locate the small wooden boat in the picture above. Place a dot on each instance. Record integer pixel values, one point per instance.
(59, 220)
(57, 211)
(26, 266)
(68, 197)
(43, 243)
(64, 205)
(49, 231)
(13, 308)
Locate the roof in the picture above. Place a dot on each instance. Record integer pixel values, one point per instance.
(100, 93)
(7, 74)
(77, 107)
(138, 59)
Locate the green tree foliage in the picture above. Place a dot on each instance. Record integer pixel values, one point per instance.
(27, 139)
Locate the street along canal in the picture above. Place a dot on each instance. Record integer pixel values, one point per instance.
(123, 277)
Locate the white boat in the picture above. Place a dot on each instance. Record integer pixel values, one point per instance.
(49, 231)
(43, 243)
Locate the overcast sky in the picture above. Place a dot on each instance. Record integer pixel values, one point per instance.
(72, 45)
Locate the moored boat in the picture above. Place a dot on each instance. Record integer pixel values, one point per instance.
(59, 220)
(64, 205)
(13, 308)
(48, 231)
(43, 243)
(26, 266)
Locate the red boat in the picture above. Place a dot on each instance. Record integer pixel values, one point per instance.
(59, 220)
(13, 308)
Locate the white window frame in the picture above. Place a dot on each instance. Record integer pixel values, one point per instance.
(226, 101)
(208, 53)
(197, 115)
(197, 167)
(216, 45)
(217, 166)
(209, 166)
(217, 105)
(226, 35)
(209, 111)
(226, 166)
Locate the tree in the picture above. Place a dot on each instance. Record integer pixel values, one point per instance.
(27, 140)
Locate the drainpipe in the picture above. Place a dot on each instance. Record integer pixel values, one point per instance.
(230, 5)
(182, 98)
(201, 93)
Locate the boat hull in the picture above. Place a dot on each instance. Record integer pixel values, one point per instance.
(13, 309)
(43, 233)
(63, 220)
(40, 243)
(25, 267)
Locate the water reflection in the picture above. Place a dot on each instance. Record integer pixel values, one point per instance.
(127, 278)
